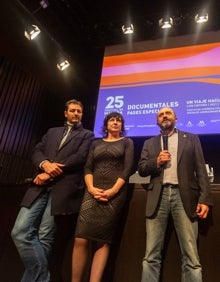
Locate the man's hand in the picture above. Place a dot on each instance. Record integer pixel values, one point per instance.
(163, 158)
(53, 169)
(41, 178)
(202, 210)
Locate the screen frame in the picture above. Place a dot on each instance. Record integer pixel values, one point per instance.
(160, 44)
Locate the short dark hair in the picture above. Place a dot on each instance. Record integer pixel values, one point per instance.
(107, 118)
(73, 101)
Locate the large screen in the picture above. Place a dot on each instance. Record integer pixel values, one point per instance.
(139, 83)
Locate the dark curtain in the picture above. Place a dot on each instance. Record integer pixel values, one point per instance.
(21, 97)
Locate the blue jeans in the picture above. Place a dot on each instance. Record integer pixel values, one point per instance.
(187, 233)
(33, 234)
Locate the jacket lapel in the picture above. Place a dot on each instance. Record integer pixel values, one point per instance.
(59, 136)
(182, 138)
(72, 134)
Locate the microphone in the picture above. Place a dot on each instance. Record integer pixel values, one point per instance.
(165, 140)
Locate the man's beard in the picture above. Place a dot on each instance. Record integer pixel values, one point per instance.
(167, 126)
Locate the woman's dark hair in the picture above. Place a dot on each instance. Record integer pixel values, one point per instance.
(108, 117)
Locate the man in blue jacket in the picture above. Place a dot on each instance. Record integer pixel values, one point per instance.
(179, 187)
(57, 189)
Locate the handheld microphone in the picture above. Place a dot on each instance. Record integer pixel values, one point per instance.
(165, 140)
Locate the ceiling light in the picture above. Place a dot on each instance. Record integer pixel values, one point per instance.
(201, 17)
(44, 4)
(166, 22)
(31, 32)
(63, 65)
(128, 28)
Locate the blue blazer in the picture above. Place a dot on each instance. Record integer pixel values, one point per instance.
(67, 189)
(192, 175)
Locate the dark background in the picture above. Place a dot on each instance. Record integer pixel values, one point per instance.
(32, 97)
(33, 91)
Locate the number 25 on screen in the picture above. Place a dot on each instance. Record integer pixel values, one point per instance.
(114, 102)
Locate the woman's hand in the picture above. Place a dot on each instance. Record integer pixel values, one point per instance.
(109, 193)
(97, 193)
(101, 194)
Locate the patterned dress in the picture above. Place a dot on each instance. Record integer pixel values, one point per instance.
(107, 161)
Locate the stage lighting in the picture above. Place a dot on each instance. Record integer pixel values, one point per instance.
(63, 65)
(166, 22)
(128, 28)
(31, 32)
(44, 4)
(201, 17)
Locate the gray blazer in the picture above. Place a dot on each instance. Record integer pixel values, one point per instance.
(192, 175)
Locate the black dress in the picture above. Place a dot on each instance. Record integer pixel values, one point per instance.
(107, 161)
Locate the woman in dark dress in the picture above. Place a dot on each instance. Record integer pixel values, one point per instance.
(107, 170)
